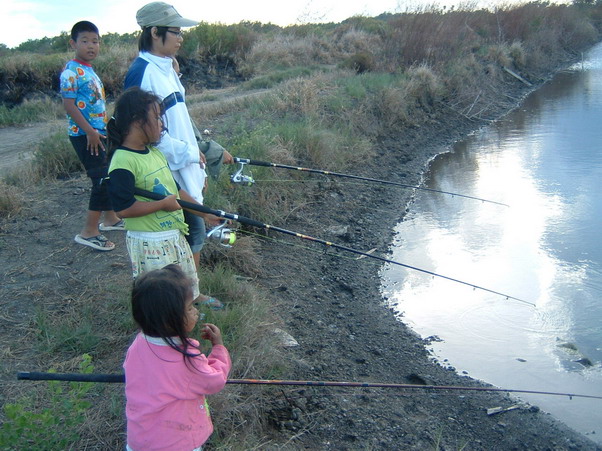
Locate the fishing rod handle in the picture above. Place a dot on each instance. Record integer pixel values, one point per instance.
(35, 376)
(253, 162)
(203, 209)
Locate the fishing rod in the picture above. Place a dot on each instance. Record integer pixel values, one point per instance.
(261, 225)
(240, 178)
(120, 378)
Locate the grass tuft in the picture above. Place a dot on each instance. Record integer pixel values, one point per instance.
(11, 200)
(53, 157)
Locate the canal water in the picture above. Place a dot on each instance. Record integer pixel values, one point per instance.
(545, 161)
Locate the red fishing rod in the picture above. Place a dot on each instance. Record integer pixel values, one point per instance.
(240, 178)
(120, 378)
(261, 225)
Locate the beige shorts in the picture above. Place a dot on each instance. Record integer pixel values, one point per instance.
(154, 250)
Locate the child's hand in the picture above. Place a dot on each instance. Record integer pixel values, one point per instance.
(95, 141)
(212, 220)
(170, 203)
(212, 333)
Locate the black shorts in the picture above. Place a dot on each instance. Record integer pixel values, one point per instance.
(96, 168)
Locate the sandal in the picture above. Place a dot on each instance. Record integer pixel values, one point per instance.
(119, 225)
(98, 242)
(212, 303)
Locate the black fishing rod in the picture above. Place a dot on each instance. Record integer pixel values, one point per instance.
(261, 225)
(120, 378)
(241, 178)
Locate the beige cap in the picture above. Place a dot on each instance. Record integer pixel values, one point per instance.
(160, 14)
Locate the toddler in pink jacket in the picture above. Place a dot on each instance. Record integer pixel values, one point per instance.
(166, 376)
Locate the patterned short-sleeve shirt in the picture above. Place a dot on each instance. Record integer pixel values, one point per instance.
(80, 82)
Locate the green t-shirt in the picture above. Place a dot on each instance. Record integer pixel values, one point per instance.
(151, 173)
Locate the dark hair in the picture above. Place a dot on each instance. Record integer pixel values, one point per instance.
(145, 41)
(81, 27)
(159, 305)
(131, 106)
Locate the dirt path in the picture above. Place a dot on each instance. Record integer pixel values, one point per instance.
(18, 143)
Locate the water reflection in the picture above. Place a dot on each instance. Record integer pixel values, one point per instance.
(543, 161)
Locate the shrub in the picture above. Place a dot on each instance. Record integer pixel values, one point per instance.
(284, 51)
(360, 62)
(53, 158)
(208, 40)
(370, 25)
(423, 86)
(517, 53)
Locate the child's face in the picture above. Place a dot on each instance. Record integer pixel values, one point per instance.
(154, 124)
(173, 41)
(192, 314)
(86, 46)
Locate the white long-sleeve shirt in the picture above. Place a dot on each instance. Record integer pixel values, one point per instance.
(178, 144)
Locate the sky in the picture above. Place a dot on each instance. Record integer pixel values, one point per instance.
(35, 19)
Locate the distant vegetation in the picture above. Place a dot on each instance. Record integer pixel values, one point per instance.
(334, 91)
(455, 44)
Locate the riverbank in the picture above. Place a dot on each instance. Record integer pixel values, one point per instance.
(327, 300)
(332, 306)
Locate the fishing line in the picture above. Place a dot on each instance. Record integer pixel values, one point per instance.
(120, 378)
(358, 206)
(261, 225)
(240, 177)
(301, 246)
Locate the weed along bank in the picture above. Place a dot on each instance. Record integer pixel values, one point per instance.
(372, 97)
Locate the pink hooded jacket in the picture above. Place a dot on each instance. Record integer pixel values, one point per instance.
(166, 408)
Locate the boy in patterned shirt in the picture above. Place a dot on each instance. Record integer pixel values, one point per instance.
(84, 101)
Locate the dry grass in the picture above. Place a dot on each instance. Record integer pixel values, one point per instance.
(11, 200)
(422, 64)
(423, 87)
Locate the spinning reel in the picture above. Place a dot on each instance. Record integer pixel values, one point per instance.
(240, 178)
(222, 234)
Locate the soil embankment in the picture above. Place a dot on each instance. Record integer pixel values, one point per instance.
(330, 303)
(333, 307)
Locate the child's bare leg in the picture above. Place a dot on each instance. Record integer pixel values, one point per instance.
(110, 218)
(91, 226)
(197, 259)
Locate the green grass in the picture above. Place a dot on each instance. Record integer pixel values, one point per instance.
(28, 425)
(31, 111)
(317, 114)
(278, 76)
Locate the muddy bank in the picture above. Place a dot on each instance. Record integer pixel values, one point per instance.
(329, 302)
(332, 306)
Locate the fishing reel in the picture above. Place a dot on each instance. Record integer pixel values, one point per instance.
(240, 178)
(206, 135)
(222, 234)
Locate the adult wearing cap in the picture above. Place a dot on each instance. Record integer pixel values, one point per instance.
(153, 71)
